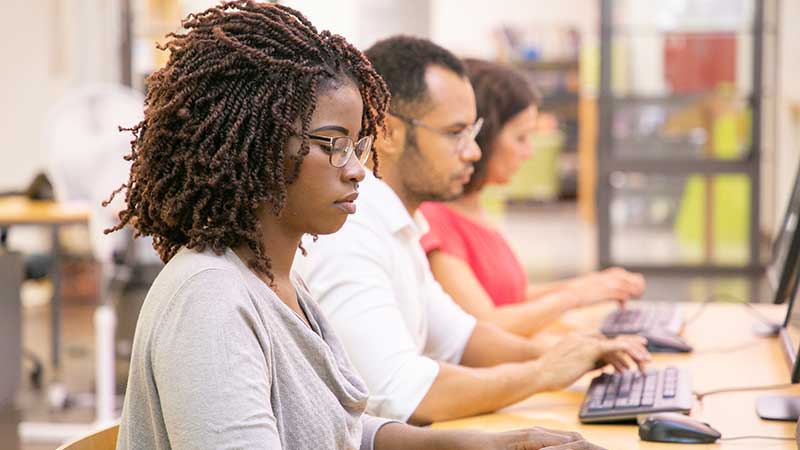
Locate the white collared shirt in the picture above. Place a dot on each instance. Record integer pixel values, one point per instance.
(373, 282)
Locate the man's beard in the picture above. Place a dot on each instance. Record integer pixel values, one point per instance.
(415, 164)
(428, 196)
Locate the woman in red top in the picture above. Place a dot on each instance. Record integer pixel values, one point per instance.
(470, 258)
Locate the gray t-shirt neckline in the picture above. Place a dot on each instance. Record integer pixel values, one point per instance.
(220, 362)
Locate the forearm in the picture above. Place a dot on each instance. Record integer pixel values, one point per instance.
(398, 436)
(489, 345)
(460, 391)
(527, 318)
(534, 291)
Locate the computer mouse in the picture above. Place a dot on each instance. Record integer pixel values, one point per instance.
(665, 342)
(675, 427)
(764, 329)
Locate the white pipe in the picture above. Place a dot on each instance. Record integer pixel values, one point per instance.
(105, 323)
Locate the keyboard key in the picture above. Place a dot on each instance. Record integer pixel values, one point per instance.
(613, 386)
(598, 393)
(626, 403)
(597, 405)
(608, 403)
(614, 395)
(625, 384)
(650, 383)
(638, 383)
(669, 391)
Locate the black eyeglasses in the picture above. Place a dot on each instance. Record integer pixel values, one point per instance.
(341, 148)
(463, 137)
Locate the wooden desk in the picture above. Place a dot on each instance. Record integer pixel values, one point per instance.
(727, 354)
(19, 210)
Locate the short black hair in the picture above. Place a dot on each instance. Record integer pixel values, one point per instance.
(501, 92)
(402, 60)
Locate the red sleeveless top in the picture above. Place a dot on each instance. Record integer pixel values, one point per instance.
(484, 249)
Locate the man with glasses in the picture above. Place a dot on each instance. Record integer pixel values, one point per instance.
(422, 357)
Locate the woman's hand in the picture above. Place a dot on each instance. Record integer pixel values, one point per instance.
(397, 436)
(614, 284)
(536, 438)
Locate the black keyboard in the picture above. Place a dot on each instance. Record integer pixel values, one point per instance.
(664, 316)
(620, 397)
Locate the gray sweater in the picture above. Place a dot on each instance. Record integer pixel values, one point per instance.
(219, 362)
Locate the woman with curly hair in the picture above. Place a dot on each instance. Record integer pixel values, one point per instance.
(255, 133)
(470, 258)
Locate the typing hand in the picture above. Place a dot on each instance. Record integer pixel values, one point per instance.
(578, 354)
(634, 354)
(614, 284)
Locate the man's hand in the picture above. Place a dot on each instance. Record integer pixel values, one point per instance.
(578, 354)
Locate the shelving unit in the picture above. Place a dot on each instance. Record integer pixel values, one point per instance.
(678, 157)
(557, 81)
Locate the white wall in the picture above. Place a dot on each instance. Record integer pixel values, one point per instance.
(459, 25)
(34, 71)
(363, 22)
(337, 16)
(49, 45)
(463, 25)
(46, 46)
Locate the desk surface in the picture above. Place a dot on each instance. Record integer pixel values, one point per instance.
(19, 210)
(727, 354)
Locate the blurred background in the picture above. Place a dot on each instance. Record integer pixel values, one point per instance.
(668, 142)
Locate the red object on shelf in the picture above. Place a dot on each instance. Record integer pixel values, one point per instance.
(699, 62)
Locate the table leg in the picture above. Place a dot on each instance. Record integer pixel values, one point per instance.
(55, 300)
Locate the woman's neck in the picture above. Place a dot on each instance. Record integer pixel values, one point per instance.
(280, 246)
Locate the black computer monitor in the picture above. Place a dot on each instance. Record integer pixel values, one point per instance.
(790, 337)
(786, 407)
(783, 274)
(782, 271)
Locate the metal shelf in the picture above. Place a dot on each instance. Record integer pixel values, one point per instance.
(680, 166)
(666, 99)
(610, 162)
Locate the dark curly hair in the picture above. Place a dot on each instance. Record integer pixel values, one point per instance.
(402, 61)
(501, 92)
(217, 119)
